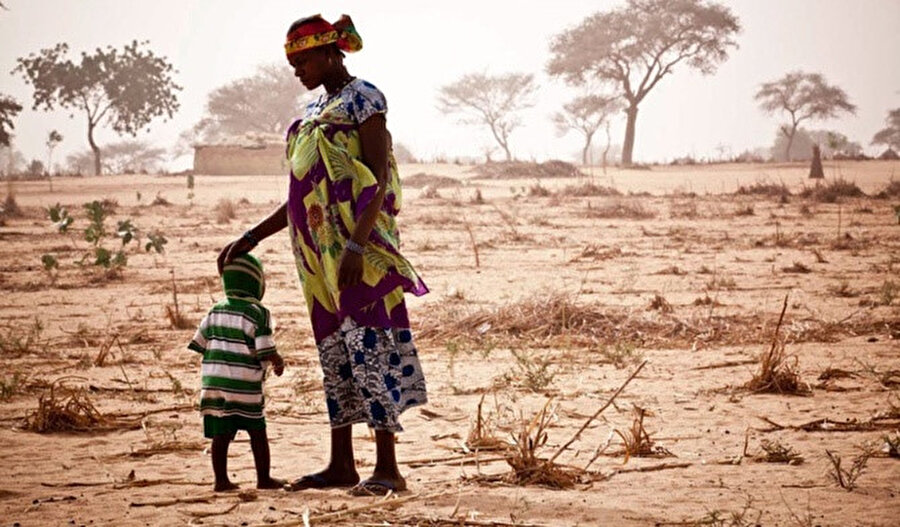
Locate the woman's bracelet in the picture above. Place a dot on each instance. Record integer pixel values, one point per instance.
(248, 235)
(354, 247)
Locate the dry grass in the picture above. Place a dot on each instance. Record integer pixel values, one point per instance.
(526, 170)
(636, 441)
(422, 180)
(481, 435)
(528, 467)
(891, 190)
(796, 268)
(542, 320)
(659, 303)
(588, 190)
(763, 188)
(777, 371)
(225, 211)
(846, 477)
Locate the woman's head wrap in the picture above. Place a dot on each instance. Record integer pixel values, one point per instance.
(315, 31)
(243, 278)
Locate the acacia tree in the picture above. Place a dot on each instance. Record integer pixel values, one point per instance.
(265, 102)
(637, 45)
(125, 89)
(890, 135)
(490, 100)
(9, 108)
(802, 96)
(586, 114)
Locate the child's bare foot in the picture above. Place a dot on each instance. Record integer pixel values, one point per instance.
(270, 483)
(224, 486)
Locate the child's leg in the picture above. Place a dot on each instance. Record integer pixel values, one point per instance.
(259, 443)
(220, 462)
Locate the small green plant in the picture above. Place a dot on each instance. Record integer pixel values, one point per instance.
(20, 341)
(126, 231)
(190, 186)
(97, 211)
(51, 266)
(535, 372)
(156, 241)
(109, 260)
(59, 215)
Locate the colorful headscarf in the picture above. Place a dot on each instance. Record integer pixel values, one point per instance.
(243, 278)
(315, 31)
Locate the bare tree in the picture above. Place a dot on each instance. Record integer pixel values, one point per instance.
(265, 102)
(586, 114)
(636, 45)
(490, 100)
(890, 135)
(126, 89)
(9, 108)
(802, 96)
(123, 157)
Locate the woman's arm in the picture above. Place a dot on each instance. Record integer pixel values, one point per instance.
(374, 139)
(273, 223)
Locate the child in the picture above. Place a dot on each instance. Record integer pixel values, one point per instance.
(235, 339)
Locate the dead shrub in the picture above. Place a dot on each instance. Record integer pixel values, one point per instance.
(588, 190)
(225, 211)
(11, 207)
(796, 268)
(764, 188)
(527, 170)
(776, 452)
(539, 191)
(63, 409)
(891, 190)
(746, 210)
(160, 200)
(832, 191)
(422, 180)
(620, 209)
(659, 303)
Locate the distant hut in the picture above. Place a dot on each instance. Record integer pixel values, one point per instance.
(889, 155)
(253, 154)
(815, 169)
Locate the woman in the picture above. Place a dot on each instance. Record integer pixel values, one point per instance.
(343, 198)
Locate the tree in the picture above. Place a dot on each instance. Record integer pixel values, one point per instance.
(265, 102)
(125, 89)
(490, 100)
(123, 157)
(586, 114)
(637, 45)
(890, 135)
(53, 140)
(832, 144)
(9, 108)
(803, 96)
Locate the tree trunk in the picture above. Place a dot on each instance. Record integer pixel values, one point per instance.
(628, 146)
(506, 149)
(790, 143)
(587, 149)
(98, 170)
(608, 145)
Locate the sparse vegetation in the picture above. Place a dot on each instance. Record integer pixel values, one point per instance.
(846, 478)
(225, 211)
(620, 209)
(832, 192)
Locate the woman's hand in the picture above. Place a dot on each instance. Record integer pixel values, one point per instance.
(351, 269)
(233, 250)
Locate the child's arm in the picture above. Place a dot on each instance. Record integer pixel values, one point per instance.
(265, 344)
(199, 342)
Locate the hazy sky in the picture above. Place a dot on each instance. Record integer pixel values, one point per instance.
(412, 47)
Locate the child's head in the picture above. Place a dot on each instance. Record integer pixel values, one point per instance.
(243, 278)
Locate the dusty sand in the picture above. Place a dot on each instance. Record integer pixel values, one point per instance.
(703, 242)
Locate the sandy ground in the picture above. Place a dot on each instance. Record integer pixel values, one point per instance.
(721, 262)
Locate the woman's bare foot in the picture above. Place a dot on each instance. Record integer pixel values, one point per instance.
(328, 478)
(270, 483)
(224, 486)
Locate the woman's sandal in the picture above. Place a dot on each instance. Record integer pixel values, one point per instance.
(314, 481)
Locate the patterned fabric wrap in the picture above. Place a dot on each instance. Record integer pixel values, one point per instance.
(371, 375)
(235, 339)
(244, 279)
(330, 187)
(316, 31)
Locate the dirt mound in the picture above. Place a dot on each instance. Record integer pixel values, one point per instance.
(526, 170)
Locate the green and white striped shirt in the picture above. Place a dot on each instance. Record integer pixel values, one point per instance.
(235, 338)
